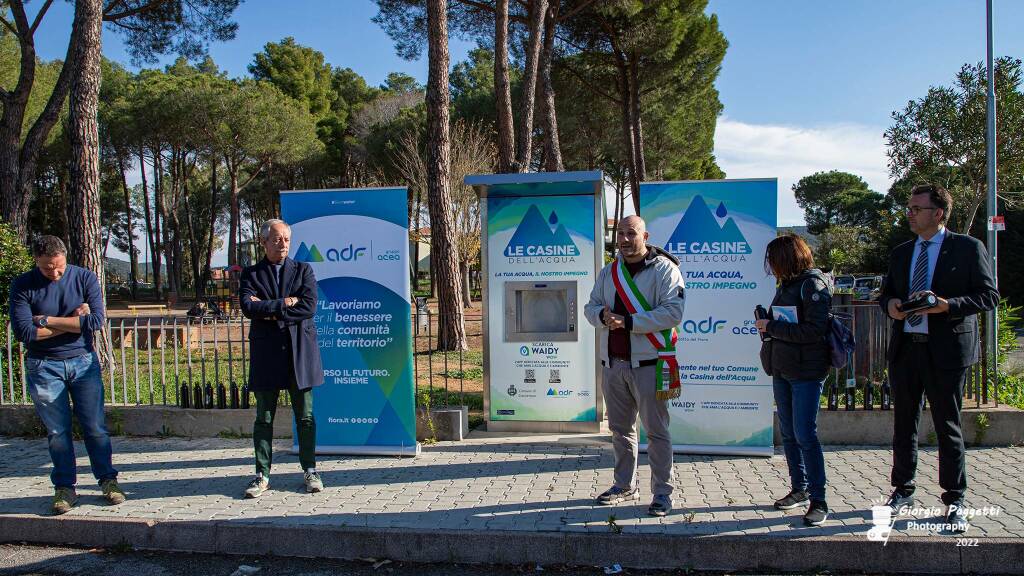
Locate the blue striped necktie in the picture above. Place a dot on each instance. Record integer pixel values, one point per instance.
(920, 279)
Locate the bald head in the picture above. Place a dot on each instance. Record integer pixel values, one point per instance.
(631, 238)
(635, 222)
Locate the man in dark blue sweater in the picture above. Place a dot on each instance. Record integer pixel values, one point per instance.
(55, 309)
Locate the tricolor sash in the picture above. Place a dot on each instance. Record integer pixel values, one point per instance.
(664, 341)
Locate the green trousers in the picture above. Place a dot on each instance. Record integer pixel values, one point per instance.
(263, 428)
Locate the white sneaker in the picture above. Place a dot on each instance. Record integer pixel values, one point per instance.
(257, 487)
(313, 482)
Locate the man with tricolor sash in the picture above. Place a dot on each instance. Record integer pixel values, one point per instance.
(636, 304)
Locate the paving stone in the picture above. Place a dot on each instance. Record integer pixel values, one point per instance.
(484, 484)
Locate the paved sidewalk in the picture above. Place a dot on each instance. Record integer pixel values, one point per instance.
(519, 486)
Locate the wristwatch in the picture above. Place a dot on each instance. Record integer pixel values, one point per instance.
(42, 322)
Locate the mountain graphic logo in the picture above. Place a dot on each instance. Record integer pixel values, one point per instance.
(536, 236)
(699, 232)
(308, 254)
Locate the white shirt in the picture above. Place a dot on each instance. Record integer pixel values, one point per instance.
(933, 258)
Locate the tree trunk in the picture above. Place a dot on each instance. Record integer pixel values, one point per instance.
(18, 157)
(524, 142)
(15, 201)
(627, 131)
(145, 207)
(193, 247)
(638, 134)
(15, 204)
(159, 227)
(972, 210)
(63, 202)
(433, 271)
(167, 224)
(214, 209)
(172, 234)
(84, 138)
(416, 246)
(133, 258)
(620, 193)
(503, 91)
(549, 121)
(234, 225)
(467, 295)
(451, 327)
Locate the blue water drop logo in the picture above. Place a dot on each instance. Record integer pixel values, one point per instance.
(553, 219)
(721, 212)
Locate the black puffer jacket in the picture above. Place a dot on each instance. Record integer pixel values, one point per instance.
(800, 351)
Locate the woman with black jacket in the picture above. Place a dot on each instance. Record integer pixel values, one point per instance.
(795, 353)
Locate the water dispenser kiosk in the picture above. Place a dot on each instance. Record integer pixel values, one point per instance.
(542, 247)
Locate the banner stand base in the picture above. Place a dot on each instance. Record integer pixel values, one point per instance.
(543, 427)
(712, 449)
(400, 451)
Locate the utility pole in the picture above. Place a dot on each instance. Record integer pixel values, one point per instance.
(990, 153)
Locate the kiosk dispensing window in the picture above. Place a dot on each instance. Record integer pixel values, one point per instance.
(540, 311)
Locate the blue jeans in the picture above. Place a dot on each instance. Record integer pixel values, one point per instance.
(797, 405)
(54, 385)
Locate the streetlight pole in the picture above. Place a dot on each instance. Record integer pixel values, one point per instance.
(990, 153)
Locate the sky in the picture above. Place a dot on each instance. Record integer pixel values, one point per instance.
(806, 85)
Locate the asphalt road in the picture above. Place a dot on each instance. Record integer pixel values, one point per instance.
(24, 559)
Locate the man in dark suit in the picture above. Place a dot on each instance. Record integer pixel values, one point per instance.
(279, 295)
(930, 351)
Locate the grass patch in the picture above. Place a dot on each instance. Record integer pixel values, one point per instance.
(467, 357)
(439, 397)
(468, 374)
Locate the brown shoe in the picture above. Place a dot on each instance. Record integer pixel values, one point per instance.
(112, 492)
(63, 500)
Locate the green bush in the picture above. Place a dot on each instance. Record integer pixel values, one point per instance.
(14, 260)
(1009, 318)
(1011, 390)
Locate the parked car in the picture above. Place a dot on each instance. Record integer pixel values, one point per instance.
(867, 287)
(843, 283)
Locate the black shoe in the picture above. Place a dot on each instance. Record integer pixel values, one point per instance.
(614, 495)
(816, 514)
(900, 501)
(792, 500)
(956, 519)
(660, 506)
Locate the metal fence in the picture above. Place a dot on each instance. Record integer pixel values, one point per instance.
(203, 363)
(864, 382)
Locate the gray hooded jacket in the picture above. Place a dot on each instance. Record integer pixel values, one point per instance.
(661, 284)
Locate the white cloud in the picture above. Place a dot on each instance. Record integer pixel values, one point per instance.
(791, 152)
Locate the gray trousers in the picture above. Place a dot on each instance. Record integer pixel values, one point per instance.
(628, 391)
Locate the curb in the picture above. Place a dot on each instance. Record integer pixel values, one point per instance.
(761, 553)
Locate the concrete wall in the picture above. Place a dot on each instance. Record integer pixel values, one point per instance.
(984, 427)
(156, 421)
(987, 427)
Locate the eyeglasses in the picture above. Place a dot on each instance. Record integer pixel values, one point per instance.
(915, 210)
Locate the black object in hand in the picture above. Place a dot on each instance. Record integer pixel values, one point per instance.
(761, 314)
(923, 302)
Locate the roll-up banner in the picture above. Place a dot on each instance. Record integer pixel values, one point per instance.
(718, 229)
(357, 242)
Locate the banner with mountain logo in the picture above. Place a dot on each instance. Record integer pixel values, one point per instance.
(718, 229)
(357, 242)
